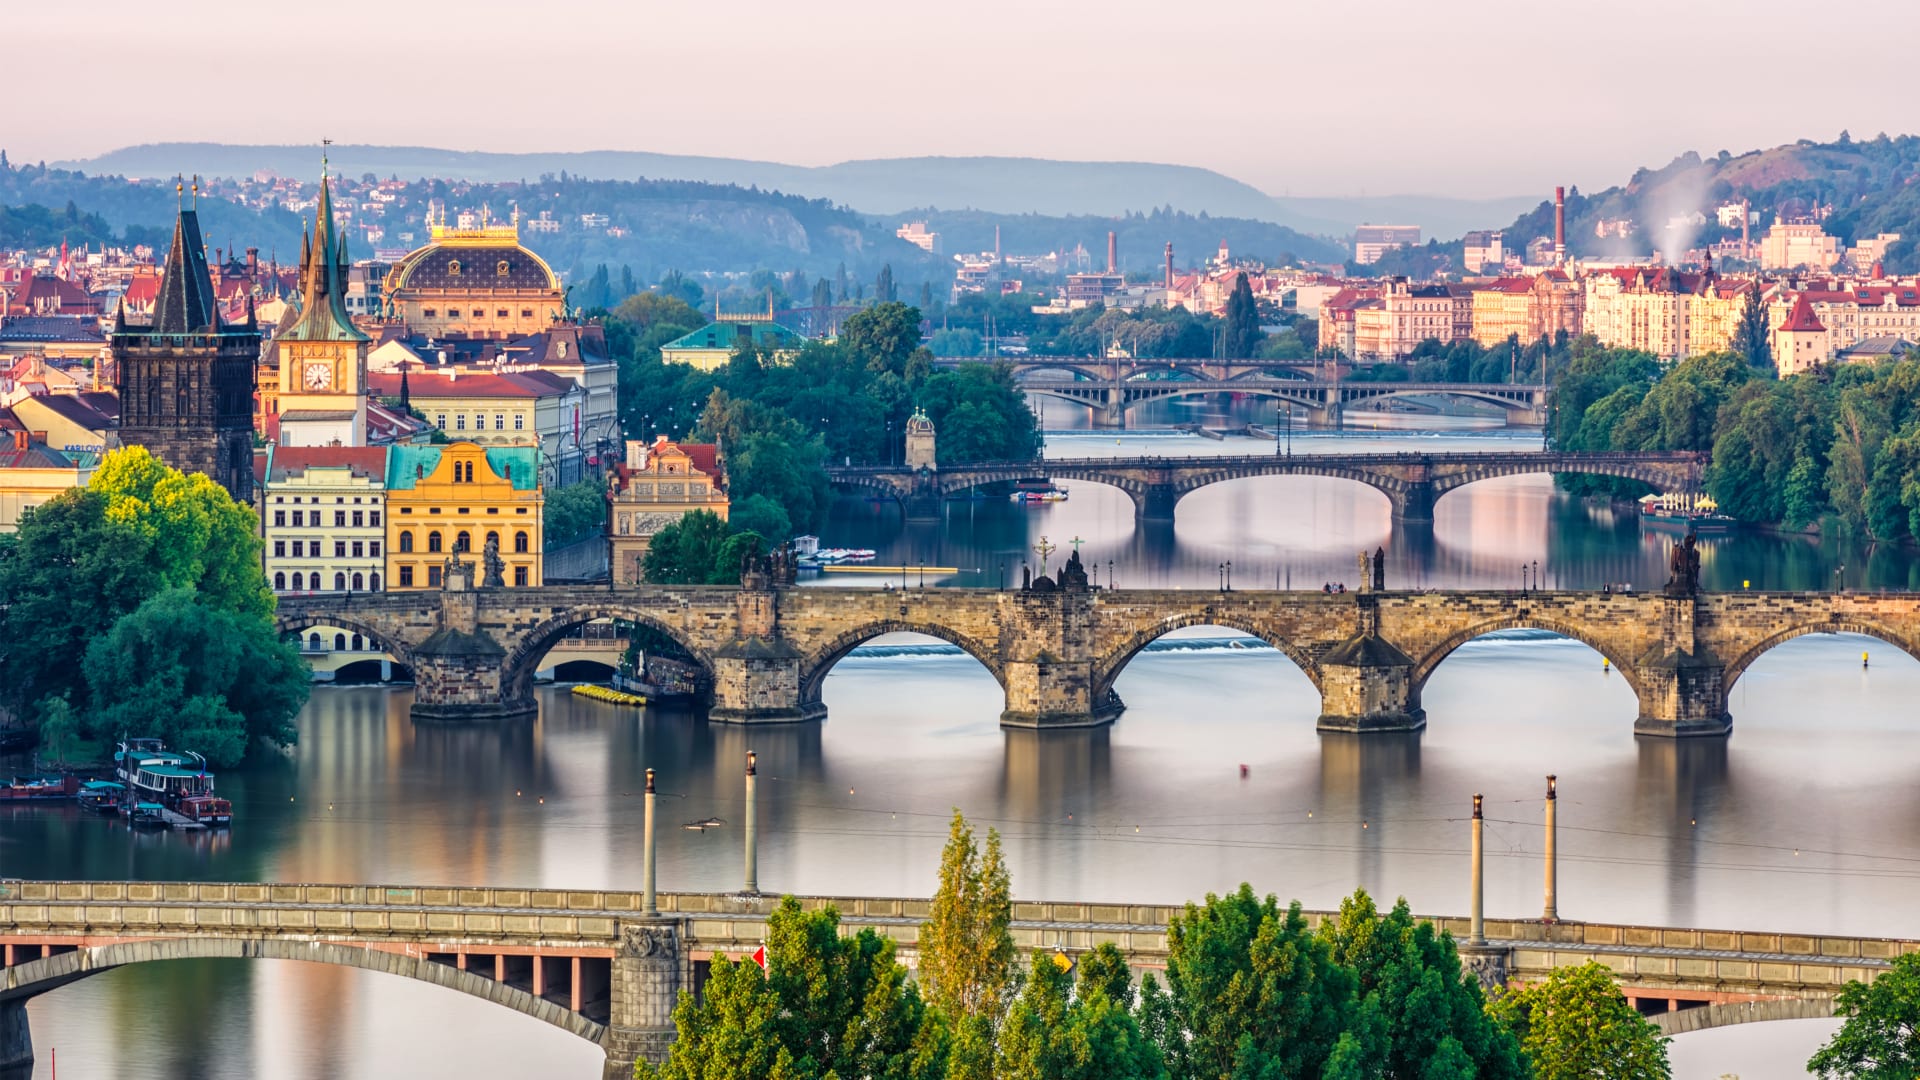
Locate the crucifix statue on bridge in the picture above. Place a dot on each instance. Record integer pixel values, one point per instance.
(1045, 549)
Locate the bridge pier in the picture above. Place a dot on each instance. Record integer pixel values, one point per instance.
(648, 972)
(460, 673)
(1366, 685)
(1413, 503)
(1044, 693)
(756, 676)
(1682, 696)
(1156, 503)
(16, 1041)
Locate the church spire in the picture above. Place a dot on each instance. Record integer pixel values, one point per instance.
(185, 301)
(323, 277)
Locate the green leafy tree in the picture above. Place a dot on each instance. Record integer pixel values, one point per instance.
(698, 549)
(1752, 337)
(884, 337)
(763, 516)
(59, 729)
(1880, 1038)
(883, 290)
(966, 946)
(199, 537)
(575, 512)
(1051, 1033)
(1576, 1025)
(1252, 993)
(1243, 321)
(200, 677)
(1416, 1010)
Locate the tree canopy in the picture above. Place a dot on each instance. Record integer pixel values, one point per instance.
(1577, 1024)
(1880, 1038)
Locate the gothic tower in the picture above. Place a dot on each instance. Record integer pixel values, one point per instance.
(186, 379)
(323, 356)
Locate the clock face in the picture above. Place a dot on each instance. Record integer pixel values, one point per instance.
(319, 376)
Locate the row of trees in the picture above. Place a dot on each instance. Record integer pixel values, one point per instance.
(136, 606)
(1838, 448)
(1250, 991)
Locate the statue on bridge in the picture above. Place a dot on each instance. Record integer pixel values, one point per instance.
(1683, 568)
(496, 567)
(1379, 569)
(1073, 576)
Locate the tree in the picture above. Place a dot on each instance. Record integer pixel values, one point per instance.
(1577, 1025)
(200, 677)
(200, 538)
(883, 285)
(1252, 992)
(1051, 1033)
(883, 337)
(1880, 1038)
(1415, 1008)
(574, 512)
(761, 515)
(1752, 338)
(966, 946)
(1243, 321)
(698, 549)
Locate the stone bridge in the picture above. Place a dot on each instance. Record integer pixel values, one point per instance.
(1057, 655)
(1411, 482)
(1196, 367)
(599, 966)
(1325, 403)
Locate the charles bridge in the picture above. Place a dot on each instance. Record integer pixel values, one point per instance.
(1411, 482)
(766, 648)
(608, 966)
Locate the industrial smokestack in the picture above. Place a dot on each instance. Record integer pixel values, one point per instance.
(1113, 253)
(1169, 265)
(996, 244)
(1559, 225)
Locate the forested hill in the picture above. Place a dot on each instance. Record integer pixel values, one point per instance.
(113, 209)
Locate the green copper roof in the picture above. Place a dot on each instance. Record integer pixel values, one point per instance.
(725, 335)
(407, 464)
(323, 281)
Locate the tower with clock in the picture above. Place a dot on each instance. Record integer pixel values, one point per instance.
(323, 356)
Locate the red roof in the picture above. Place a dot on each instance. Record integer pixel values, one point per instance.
(1802, 320)
(468, 384)
(364, 461)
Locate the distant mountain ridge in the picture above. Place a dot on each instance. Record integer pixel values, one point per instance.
(887, 186)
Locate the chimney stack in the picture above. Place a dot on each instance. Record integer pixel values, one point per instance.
(1113, 251)
(1169, 265)
(1559, 225)
(996, 245)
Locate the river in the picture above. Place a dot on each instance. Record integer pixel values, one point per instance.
(1805, 819)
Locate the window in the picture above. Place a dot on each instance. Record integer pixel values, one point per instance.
(520, 576)
(526, 313)
(429, 312)
(373, 548)
(406, 541)
(499, 422)
(279, 549)
(358, 644)
(404, 510)
(339, 519)
(339, 549)
(339, 582)
(493, 509)
(358, 584)
(279, 498)
(433, 541)
(433, 577)
(478, 314)
(501, 314)
(280, 582)
(433, 509)
(520, 543)
(453, 267)
(462, 541)
(440, 421)
(406, 576)
(339, 643)
(358, 517)
(519, 423)
(521, 510)
(313, 581)
(359, 549)
(299, 549)
(373, 581)
(373, 517)
(280, 518)
(296, 519)
(313, 641)
(460, 422)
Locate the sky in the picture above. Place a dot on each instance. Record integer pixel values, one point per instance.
(1446, 97)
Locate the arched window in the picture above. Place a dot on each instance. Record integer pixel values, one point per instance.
(373, 581)
(358, 645)
(359, 582)
(280, 582)
(462, 541)
(339, 582)
(520, 543)
(313, 641)
(406, 541)
(433, 541)
(313, 581)
(339, 643)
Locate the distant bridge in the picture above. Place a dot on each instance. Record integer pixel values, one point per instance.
(1324, 402)
(596, 964)
(1412, 482)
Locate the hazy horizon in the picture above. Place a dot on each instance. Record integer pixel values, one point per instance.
(1480, 100)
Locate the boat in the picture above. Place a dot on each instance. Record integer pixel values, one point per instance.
(102, 796)
(178, 782)
(1685, 513)
(1037, 489)
(147, 815)
(40, 787)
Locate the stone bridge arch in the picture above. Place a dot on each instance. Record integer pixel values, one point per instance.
(819, 661)
(37, 977)
(533, 644)
(1702, 1017)
(298, 621)
(1837, 624)
(1613, 651)
(1108, 669)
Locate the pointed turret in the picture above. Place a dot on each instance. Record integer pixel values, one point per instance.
(185, 302)
(323, 279)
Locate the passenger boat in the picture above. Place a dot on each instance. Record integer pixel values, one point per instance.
(147, 815)
(102, 796)
(1037, 489)
(40, 787)
(176, 781)
(1685, 513)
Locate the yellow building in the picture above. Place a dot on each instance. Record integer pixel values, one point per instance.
(31, 473)
(659, 484)
(71, 423)
(1529, 308)
(1669, 313)
(453, 499)
(473, 283)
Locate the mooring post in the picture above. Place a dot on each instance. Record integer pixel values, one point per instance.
(1477, 922)
(752, 885)
(650, 906)
(1552, 913)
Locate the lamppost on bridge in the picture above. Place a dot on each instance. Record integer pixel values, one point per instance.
(1536, 575)
(1110, 582)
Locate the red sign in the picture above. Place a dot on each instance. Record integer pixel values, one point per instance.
(760, 957)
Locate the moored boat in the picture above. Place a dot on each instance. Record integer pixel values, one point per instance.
(1684, 513)
(177, 782)
(40, 787)
(102, 796)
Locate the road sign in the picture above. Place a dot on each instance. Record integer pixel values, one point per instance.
(760, 957)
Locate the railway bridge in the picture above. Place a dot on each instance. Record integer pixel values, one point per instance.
(1412, 482)
(1057, 653)
(601, 966)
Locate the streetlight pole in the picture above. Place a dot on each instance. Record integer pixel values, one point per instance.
(1229, 575)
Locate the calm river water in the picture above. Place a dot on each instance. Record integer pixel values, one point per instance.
(1807, 818)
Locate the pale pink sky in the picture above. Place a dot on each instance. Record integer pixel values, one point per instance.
(1461, 97)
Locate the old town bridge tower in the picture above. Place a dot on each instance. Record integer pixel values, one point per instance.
(186, 379)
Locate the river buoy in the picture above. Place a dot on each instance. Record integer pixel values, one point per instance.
(1863, 659)
(1605, 664)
